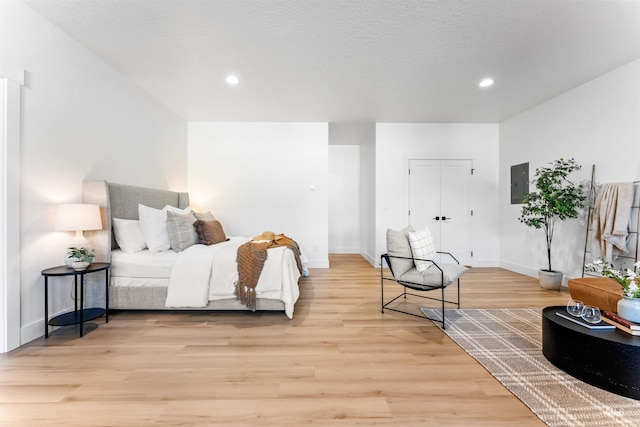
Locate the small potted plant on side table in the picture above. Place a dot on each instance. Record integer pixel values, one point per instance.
(556, 199)
(80, 258)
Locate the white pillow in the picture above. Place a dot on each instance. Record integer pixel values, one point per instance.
(423, 247)
(154, 226)
(128, 235)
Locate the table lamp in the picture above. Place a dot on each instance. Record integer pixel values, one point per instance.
(78, 217)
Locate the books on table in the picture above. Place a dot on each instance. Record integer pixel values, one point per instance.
(596, 326)
(620, 323)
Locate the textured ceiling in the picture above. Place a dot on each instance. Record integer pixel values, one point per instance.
(353, 61)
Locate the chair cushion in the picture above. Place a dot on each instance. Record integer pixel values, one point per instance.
(432, 277)
(398, 245)
(422, 247)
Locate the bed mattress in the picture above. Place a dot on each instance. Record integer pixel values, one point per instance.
(142, 265)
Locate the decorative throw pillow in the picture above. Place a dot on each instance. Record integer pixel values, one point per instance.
(205, 216)
(398, 245)
(182, 234)
(209, 232)
(128, 235)
(154, 226)
(422, 247)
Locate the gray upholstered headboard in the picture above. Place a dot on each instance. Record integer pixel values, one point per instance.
(121, 201)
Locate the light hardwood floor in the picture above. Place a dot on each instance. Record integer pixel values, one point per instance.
(340, 361)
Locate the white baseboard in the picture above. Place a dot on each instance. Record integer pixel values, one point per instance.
(486, 263)
(31, 331)
(370, 259)
(518, 268)
(528, 271)
(344, 250)
(318, 264)
(35, 329)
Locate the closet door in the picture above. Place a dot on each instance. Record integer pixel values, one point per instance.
(424, 196)
(439, 198)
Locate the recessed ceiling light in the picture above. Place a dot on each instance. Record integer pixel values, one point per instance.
(232, 80)
(486, 82)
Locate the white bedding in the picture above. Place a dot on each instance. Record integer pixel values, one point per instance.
(205, 273)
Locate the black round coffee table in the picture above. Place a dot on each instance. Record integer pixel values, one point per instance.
(607, 359)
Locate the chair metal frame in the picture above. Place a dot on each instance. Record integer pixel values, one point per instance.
(417, 287)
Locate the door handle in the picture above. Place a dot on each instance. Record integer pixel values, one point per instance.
(437, 218)
(444, 218)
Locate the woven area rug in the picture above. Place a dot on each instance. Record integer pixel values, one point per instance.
(508, 343)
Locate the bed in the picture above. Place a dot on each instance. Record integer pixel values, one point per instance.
(144, 280)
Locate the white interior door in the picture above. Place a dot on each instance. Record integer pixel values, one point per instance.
(424, 196)
(439, 198)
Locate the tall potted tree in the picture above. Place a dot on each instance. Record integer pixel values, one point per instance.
(556, 199)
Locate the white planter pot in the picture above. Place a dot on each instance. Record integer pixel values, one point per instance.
(80, 265)
(629, 309)
(550, 279)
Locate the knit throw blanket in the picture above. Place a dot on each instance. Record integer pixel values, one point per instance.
(251, 258)
(612, 210)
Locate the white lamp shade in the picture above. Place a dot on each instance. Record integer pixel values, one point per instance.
(78, 217)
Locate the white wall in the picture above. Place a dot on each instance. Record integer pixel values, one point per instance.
(598, 124)
(349, 133)
(10, 171)
(396, 143)
(80, 120)
(368, 197)
(344, 199)
(264, 176)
